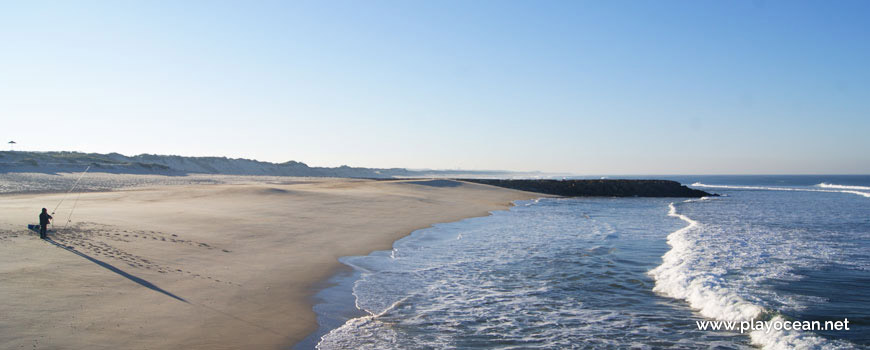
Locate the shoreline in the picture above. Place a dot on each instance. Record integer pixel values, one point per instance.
(245, 284)
(336, 292)
(344, 273)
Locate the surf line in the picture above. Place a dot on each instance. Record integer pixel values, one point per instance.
(768, 188)
(701, 290)
(359, 321)
(709, 298)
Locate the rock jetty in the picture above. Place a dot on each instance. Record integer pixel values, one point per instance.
(598, 188)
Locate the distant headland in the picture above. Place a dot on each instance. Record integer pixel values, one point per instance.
(174, 165)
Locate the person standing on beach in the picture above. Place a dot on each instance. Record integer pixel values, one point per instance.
(44, 220)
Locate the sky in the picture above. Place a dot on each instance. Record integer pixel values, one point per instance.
(582, 87)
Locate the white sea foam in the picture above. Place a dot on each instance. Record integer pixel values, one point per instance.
(832, 188)
(696, 270)
(843, 187)
(552, 275)
(514, 281)
(863, 194)
(848, 189)
(360, 327)
(676, 277)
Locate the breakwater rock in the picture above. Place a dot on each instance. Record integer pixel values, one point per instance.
(598, 188)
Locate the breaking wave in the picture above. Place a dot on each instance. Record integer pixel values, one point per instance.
(697, 268)
(843, 187)
(830, 188)
(676, 277)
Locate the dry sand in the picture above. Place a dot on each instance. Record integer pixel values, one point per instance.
(224, 266)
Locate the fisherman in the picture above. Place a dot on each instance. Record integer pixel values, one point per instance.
(44, 220)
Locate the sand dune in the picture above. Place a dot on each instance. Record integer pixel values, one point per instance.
(221, 266)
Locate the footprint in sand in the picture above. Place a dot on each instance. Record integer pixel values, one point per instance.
(85, 238)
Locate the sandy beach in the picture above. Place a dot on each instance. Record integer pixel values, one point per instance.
(206, 266)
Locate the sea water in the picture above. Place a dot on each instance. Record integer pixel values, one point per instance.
(620, 273)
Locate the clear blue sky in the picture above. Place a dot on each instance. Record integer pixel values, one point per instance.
(587, 87)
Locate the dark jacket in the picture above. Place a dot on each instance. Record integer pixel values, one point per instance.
(43, 219)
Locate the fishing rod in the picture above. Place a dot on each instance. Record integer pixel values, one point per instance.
(70, 190)
(69, 217)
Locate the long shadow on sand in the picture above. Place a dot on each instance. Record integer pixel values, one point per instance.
(109, 267)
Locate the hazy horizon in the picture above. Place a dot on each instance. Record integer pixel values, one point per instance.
(491, 170)
(586, 88)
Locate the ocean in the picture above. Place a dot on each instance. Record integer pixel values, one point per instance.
(622, 273)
